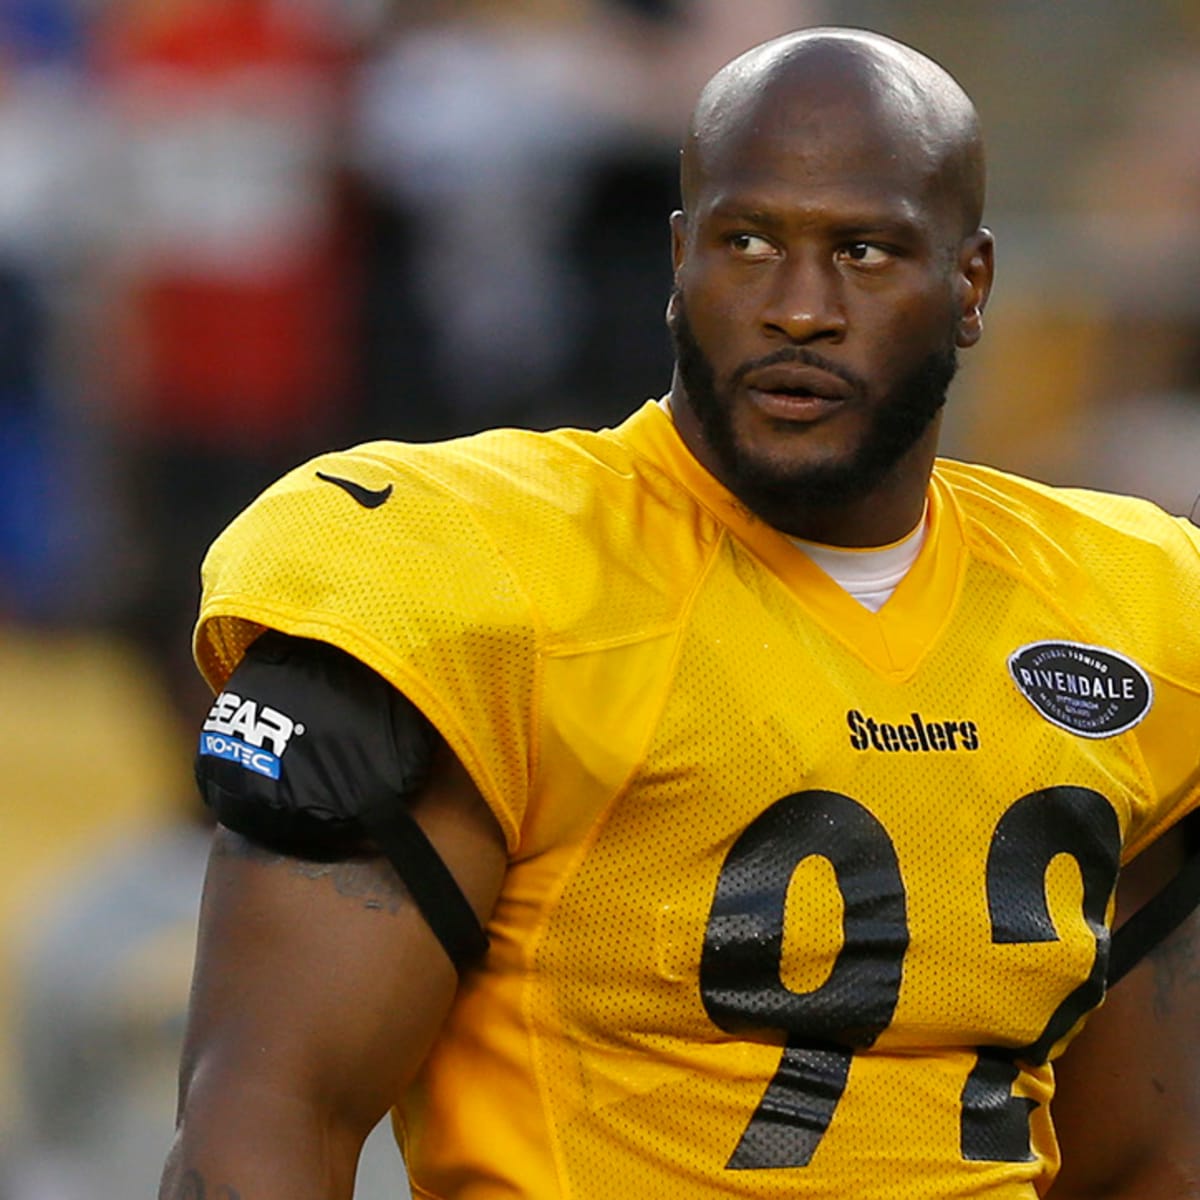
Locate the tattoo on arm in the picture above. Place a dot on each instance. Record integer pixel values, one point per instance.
(193, 1187)
(370, 879)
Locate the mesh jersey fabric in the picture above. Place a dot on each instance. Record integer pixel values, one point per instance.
(750, 944)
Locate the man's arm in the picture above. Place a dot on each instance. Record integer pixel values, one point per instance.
(1127, 1103)
(318, 991)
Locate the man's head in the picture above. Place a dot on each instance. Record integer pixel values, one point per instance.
(829, 261)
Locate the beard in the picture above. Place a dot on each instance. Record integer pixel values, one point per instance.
(777, 492)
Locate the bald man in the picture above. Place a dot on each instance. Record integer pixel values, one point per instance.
(734, 803)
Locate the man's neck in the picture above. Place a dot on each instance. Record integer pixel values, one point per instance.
(888, 513)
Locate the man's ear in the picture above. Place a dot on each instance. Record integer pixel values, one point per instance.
(976, 267)
(678, 240)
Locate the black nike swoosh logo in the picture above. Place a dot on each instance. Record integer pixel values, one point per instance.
(367, 497)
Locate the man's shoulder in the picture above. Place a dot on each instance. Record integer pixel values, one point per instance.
(387, 493)
(568, 536)
(999, 504)
(1075, 571)
(504, 471)
(1117, 565)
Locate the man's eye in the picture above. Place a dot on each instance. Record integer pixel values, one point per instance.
(867, 254)
(750, 245)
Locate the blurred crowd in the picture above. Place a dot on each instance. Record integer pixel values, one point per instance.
(236, 232)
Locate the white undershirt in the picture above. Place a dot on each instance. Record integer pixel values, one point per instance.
(870, 576)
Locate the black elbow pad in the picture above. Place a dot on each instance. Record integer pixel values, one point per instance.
(311, 753)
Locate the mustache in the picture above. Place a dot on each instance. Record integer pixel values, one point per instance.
(805, 357)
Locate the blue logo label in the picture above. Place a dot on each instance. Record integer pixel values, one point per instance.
(253, 758)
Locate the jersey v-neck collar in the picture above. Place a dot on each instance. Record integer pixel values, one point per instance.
(892, 641)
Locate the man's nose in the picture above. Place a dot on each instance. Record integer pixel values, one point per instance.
(806, 301)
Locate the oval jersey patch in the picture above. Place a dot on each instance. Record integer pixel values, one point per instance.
(1091, 691)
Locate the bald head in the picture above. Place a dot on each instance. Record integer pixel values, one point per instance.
(803, 83)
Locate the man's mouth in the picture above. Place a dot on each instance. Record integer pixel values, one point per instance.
(799, 382)
(794, 392)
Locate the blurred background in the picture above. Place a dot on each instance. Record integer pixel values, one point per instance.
(237, 232)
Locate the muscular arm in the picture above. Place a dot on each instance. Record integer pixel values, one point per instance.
(1127, 1105)
(318, 991)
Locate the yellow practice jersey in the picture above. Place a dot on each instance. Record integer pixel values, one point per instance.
(803, 899)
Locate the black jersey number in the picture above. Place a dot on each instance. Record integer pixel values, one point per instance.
(740, 964)
(1040, 826)
(743, 945)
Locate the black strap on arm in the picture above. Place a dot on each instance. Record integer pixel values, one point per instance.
(311, 753)
(434, 890)
(1155, 920)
